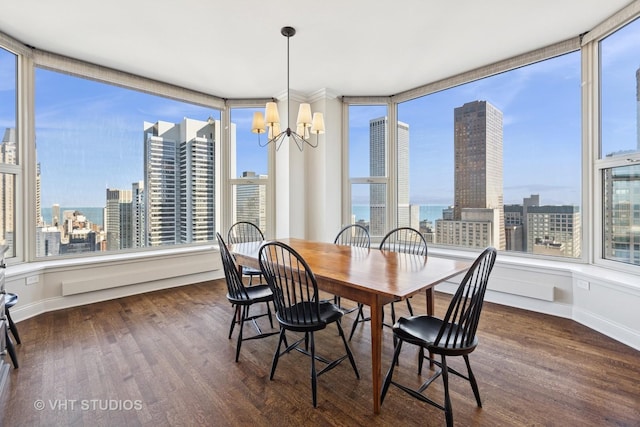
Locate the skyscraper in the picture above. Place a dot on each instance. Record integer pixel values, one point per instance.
(117, 219)
(8, 155)
(478, 191)
(179, 181)
(638, 108)
(251, 201)
(377, 167)
(138, 215)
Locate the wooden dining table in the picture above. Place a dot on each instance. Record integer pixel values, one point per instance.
(369, 276)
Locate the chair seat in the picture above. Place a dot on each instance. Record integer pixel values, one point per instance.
(423, 331)
(10, 300)
(329, 312)
(251, 271)
(257, 293)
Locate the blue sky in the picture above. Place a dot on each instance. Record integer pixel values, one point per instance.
(89, 135)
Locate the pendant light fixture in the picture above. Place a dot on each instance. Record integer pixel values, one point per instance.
(270, 122)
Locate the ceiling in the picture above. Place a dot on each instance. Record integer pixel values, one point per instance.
(234, 49)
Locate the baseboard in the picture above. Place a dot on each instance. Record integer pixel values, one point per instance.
(27, 311)
(611, 329)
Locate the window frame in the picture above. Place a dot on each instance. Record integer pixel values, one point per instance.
(594, 164)
(558, 49)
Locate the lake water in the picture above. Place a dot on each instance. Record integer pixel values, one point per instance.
(95, 215)
(430, 212)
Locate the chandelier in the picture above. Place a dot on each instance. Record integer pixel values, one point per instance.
(270, 122)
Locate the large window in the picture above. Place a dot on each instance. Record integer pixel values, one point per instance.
(496, 161)
(120, 169)
(249, 170)
(368, 147)
(9, 168)
(620, 144)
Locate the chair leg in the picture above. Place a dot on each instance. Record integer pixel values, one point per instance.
(348, 349)
(387, 378)
(359, 318)
(11, 350)
(269, 313)
(448, 411)
(276, 356)
(472, 380)
(245, 312)
(314, 374)
(12, 326)
(234, 320)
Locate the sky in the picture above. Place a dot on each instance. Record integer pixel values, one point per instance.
(89, 136)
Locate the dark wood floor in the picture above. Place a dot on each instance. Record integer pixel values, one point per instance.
(163, 358)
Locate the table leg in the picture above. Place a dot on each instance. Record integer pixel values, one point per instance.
(376, 353)
(431, 307)
(431, 303)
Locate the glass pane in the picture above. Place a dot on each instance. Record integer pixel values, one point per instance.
(484, 160)
(8, 107)
(620, 92)
(251, 203)
(621, 214)
(8, 148)
(7, 212)
(250, 158)
(368, 208)
(367, 140)
(121, 169)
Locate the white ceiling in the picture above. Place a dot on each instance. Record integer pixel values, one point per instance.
(234, 49)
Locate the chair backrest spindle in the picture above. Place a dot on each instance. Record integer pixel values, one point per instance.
(353, 235)
(461, 321)
(405, 239)
(235, 287)
(244, 231)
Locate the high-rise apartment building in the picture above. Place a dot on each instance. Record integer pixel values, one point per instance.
(554, 230)
(117, 221)
(138, 215)
(638, 108)
(478, 184)
(8, 155)
(377, 167)
(621, 216)
(251, 201)
(179, 181)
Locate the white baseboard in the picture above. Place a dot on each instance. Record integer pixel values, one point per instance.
(29, 310)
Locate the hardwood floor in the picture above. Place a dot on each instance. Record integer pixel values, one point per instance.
(163, 358)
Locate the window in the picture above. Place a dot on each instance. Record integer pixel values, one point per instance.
(620, 144)
(496, 161)
(120, 169)
(9, 151)
(249, 171)
(368, 145)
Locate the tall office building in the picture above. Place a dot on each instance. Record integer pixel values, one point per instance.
(117, 221)
(251, 201)
(377, 167)
(638, 108)
(138, 215)
(478, 186)
(8, 155)
(621, 233)
(179, 181)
